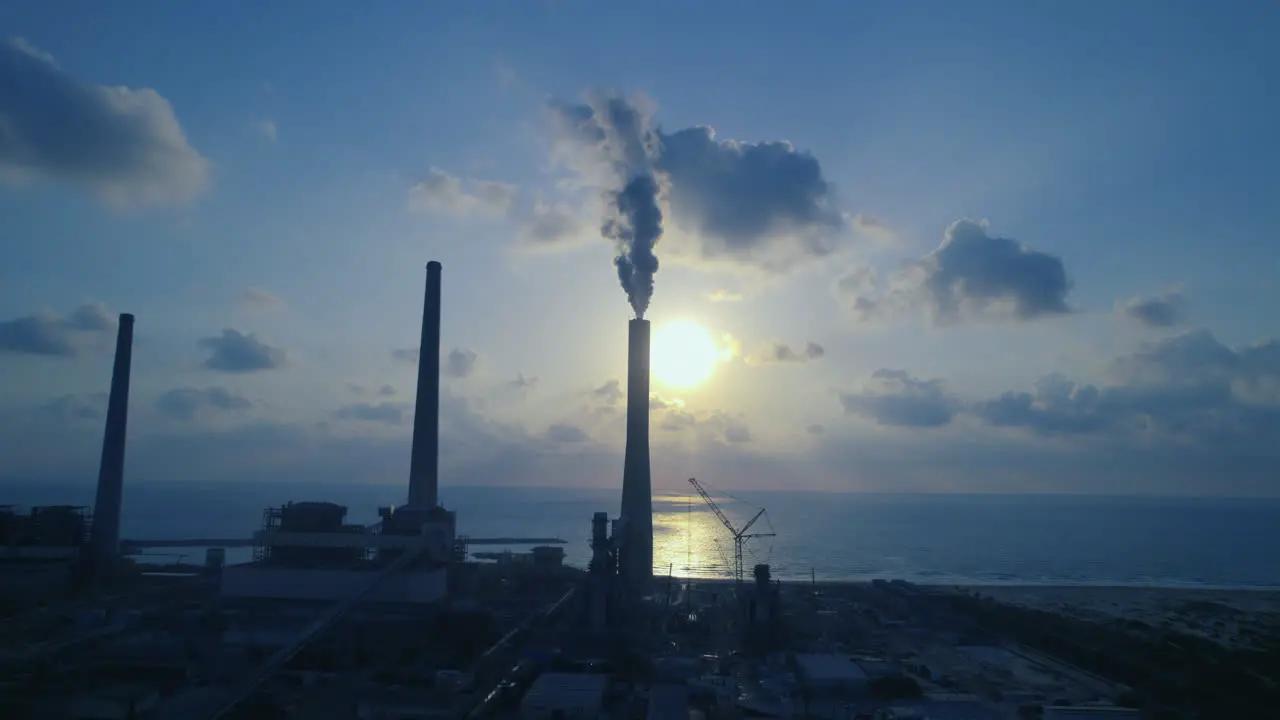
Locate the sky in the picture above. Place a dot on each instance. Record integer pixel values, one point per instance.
(884, 246)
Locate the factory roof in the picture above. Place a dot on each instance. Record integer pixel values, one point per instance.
(668, 702)
(552, 691)
(829, 667)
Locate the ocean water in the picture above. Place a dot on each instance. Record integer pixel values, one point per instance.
(943, 539)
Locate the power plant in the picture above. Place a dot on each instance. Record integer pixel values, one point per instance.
(400, 597)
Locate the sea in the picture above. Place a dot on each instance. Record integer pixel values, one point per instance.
(947, 539)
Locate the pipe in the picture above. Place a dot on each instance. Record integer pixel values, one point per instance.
(424, 462)
(104, 535)
(637, 495)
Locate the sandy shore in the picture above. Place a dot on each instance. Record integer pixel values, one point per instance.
(1236, 617)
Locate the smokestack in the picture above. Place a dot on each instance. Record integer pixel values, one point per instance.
(424, 462)
(104, 536)
(637, 498)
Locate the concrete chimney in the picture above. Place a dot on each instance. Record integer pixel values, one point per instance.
(637, 497)
(424, 463)
(104, 536)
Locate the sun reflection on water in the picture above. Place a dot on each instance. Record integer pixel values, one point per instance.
(689, 542)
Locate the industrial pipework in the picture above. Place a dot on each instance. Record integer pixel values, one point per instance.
(104, 536)
(637, 495)
(424, 482)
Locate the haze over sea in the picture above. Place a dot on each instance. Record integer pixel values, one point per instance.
(978, 539)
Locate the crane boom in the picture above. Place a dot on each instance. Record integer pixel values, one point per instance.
(712, 504)
(739, 536)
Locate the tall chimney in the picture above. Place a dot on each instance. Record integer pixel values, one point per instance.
(104, 535)
(637, 498)
(424, 462)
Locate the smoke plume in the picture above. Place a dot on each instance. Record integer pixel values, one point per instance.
(620, 132)
(636, 228)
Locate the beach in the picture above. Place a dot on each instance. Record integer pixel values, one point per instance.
(1233, 617)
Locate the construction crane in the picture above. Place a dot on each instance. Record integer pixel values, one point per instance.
(740, 537)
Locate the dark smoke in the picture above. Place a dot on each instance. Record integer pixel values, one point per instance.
(636, 228)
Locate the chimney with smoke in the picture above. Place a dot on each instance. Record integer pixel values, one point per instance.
(104, 536)
(637, 497)
(424, 462)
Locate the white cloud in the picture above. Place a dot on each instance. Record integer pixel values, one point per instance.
(444, 193)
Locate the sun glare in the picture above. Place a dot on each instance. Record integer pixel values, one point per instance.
(683, 354)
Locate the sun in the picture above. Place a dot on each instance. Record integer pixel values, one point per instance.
(683, 354)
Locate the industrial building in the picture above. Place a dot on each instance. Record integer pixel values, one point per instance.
(564, 696)
(395, 619)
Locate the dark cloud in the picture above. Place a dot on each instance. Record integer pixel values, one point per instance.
(760, 203)
(121, 144)
(551, 226)
(237, 352)
(1057, 407)
(778, 352)
(409, 355)
(460, 362)
(88, 327)
(188, 403)
(1161, 311)
(715, 426)
(386, 391)
(610, 392)
(71, 408)
(442, 192)
(563, 433)
(390, 413)
(1188, 390)
(892, 397)
(971, 274)
(763, 204)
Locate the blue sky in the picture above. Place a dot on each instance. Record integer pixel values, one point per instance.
(1035, 242)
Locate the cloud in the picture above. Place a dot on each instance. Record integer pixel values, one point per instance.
(188, 403)
(895, 398)
(236, 352)
(409, 355)
(259, 300)
(523, 383)
(386, 412)
(707, 426)
(125, 146)
(765, 205)
(778, 352)
(88, 327)
(724, 296)
(460, 363)
(815, 429)
(71, 408)
(563, 433)
(1161, 311)
(971, 275)
(551, 226)
(657, 402)
(386, 391)
(444, 193)
(610, 392)
(266, 127)
(1186, 391)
